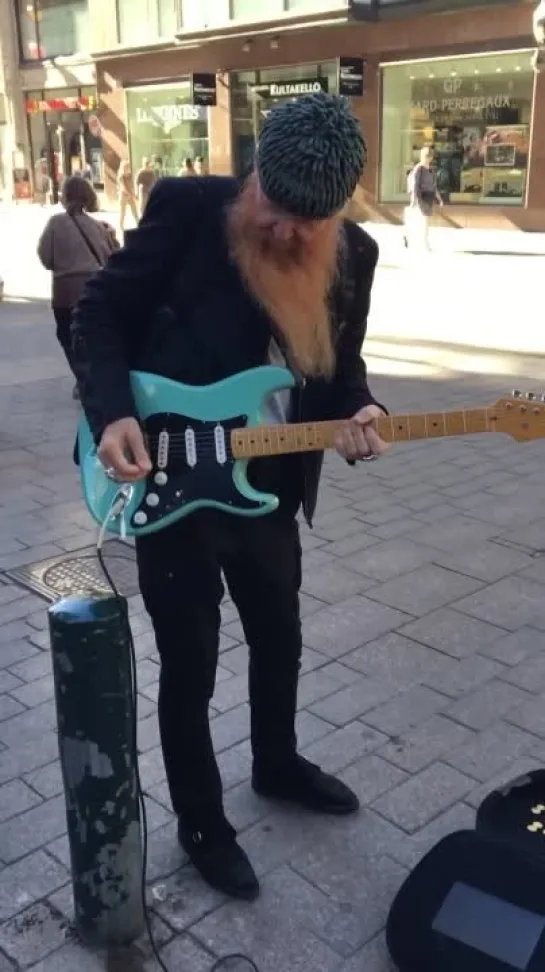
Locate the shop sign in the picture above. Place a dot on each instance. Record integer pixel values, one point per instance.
(350, 76)
(168, 116)
(85, 103)
(478, 103)
(453, 100)
(203, 90)
(290, 89)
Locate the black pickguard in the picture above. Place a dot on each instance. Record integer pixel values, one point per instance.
(207, 480)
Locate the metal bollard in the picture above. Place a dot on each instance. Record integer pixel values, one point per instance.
(90, 647)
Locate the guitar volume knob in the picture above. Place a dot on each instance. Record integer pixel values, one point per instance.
(160, 479)
(140, 518)
(152, 499)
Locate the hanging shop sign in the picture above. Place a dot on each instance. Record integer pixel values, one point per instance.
(290, 89)
(85, 103)
(350, 76)
(203, 90)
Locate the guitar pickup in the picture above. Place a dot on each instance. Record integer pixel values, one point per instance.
(162, 449)
(221, 448)
(190, 448)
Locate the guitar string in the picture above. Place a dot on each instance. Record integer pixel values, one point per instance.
(402, 423)
(199, 436)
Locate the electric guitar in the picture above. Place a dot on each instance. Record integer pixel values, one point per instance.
(200, 439)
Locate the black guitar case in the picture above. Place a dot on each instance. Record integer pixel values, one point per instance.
(476, 902)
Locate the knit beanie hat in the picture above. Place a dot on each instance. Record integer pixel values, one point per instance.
(310, 156)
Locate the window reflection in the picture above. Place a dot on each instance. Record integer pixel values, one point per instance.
(52, 28)
(475, 112)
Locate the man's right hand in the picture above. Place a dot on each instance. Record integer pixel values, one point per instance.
(122, 450)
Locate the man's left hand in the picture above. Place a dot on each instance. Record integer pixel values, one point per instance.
(358, 438)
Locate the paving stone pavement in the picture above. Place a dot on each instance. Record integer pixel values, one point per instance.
(423, 679)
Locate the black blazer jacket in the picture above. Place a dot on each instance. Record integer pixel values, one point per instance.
(171, 302)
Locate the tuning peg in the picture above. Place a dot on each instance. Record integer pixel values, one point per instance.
(516, 393)
(531, 396)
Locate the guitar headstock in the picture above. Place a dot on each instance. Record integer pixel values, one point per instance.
(522, 416)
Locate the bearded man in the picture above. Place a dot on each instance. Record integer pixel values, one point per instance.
(217, 279)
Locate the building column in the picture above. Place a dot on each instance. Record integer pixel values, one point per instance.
(536, 182)
(367, 110)
(14, 136)
(112, 114)
(220, 142)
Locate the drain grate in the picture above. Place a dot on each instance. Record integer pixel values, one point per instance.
(79, 572)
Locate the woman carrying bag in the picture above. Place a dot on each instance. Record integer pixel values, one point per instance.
(73, 246)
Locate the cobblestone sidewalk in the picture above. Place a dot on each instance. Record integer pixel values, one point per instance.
(423, 683)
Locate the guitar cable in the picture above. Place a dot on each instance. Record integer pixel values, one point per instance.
(117, 509)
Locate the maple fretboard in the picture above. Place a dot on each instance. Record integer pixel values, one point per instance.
(275, 440)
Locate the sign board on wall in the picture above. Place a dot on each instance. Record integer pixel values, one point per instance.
(290, 89)
(85, 103)
(203, 90)
(168, 116)
(350, 76)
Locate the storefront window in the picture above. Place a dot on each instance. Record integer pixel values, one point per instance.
(253, 94)
(166, 127)
(251, 10)
(475, 112)
(142, 21)
(52, 28)
(256, 9)
(64, 138)
(300, 6)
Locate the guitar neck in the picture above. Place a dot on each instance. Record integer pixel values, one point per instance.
(275, 440)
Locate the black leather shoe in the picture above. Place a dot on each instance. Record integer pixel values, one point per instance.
(220, 861)
(304, 783)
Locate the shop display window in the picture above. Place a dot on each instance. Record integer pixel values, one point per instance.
(64, 138)
(253, 94)
(475, 112)
(165, 127)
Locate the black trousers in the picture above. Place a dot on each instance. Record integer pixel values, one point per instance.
(180, 572)
(63, 320)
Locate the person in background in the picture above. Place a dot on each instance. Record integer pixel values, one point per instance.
(201, 166)
(188, 169)
(127, 196)
(42, 182)
(73, 246)
(144, 182)
(422, 185)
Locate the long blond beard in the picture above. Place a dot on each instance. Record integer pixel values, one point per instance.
(291, 281)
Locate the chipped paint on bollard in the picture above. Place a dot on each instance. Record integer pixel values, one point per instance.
(91, 666)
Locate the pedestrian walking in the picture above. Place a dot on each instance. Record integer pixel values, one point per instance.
(201, 166)
(187, 169)
(73, 246)
(127, 195)
(422, 186)
(145, 179)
